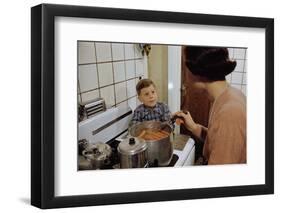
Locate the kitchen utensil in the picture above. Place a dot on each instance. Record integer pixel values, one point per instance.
(82, 145)
(159, 151)
(133, 153)
(98, 154)
(178, 119)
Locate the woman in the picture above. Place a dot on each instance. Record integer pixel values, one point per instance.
(225, 137)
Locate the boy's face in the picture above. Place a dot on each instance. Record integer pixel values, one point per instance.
(148, 96)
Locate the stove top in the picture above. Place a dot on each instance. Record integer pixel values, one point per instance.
(114, 161)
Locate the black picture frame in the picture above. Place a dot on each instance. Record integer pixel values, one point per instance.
(43, 102)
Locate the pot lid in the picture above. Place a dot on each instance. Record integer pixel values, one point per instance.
(131, 146)
(98, 151)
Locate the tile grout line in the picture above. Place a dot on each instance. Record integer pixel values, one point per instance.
(114, 84)
(95, 49)
(77, 75)
(125, 69)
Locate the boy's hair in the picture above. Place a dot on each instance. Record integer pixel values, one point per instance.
(143, 84)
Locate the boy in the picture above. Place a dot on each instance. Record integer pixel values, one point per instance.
(150, 109)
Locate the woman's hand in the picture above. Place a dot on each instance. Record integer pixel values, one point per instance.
(188, 121)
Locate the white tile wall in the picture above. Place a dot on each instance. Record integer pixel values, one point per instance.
(120, 92)
(138, 53)
(86, 52)
(108, 94)
(88, 78)
(122, 104)
(103, 51)
(244, 89)
(129, 51)
(105, 74)
(139, 68)
(239, 53)
(131, 88)
(239, 66)
(245, 66)
(130, 69)
(137, 80)
(138, 101)
(118, 51)
(87, 96)
(119, 71)
(230, 52)
(132, 102)
(228, 78)
(110, 72)
(238, 86)
(244, 78)
(238, 78)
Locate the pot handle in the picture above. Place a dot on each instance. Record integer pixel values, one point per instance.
(119, 139)
(165, 124)
(86, 153)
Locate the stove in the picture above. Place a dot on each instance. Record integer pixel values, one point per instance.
(180, 158)
(114, 161)
(111, 127)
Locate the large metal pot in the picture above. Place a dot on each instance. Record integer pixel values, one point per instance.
(98, 155)
(160, 152)
(133, 153)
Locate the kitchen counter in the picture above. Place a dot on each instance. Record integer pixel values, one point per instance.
(179, 141)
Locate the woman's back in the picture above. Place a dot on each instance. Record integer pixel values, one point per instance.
(226, 138)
